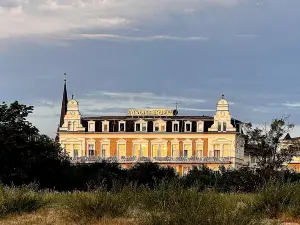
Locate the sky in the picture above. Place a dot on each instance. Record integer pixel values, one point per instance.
(121, 54)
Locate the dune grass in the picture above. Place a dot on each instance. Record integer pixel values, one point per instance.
(165, 204)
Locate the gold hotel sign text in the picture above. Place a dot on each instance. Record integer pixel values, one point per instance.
(150, 112)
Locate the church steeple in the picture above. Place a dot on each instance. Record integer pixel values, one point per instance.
(64, 102)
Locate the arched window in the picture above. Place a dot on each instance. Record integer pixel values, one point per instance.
(224, 126)
(219, 126)
(69, 126)
(74, 125)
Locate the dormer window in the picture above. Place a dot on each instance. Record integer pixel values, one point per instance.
(105, 126)
(188, 126)
(141, 125)
(159, 126)
(175, 126)
(200, 126)
(91, 126)
(122, 126)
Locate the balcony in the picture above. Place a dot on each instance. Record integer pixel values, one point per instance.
(134, 159)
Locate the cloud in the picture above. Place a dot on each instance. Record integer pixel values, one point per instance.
(132, 38)
(292, 104)
(46, 113)
(259, 110)
(21, 18)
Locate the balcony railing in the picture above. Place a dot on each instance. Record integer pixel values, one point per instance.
(134, 159)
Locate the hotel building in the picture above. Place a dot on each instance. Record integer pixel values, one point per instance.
(157, 135)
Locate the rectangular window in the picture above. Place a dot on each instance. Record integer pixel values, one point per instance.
(68, 148)
(224, 126)
(105, 128)
(144, 150)
(226, 150)
(104, 150)
(188, 127)
(163, 150)
(175, 127)
(187, 150)
(175, 150)
(185, 153)
(217, 153)
(121, 150)
(136, 150)
(199, 150)
(122, 127)
(200, 127)
(75, 153)
(156, 127)
(155, 148)
(144, 126)
(137, 127)
(91, 149)
(219, 126)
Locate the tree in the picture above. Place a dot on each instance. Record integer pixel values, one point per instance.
(265, 144)
(25, 154)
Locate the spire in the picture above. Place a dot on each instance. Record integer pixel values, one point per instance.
(64, 102)
(287, 137)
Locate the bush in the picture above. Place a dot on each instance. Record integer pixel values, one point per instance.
(19, 200)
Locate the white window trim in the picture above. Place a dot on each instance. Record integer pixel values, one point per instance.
(140, 142)
(187, 142)
(120, 122)
(105, 122)
(185, 123)
(173, 123)
(199, 142)
(159, 142)
(103, 142)
(202, 123)
(121, 142)
(91, 124)
(160, 124)
(91, 142)
(140, 122)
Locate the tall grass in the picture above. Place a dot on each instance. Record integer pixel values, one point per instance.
(19, 200)
(84, 207)
(167, 204)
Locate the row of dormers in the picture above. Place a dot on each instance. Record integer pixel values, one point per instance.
(142, 126)
(148, 126)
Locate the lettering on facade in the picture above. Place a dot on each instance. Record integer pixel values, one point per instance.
(150, 112)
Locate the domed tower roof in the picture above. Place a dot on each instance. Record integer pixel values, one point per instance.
(223, 104)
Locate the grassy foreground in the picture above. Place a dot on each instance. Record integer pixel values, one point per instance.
(165, 204)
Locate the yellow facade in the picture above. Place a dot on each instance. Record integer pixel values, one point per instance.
(188, 145)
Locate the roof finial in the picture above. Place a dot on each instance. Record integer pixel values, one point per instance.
(65, 79)
(176, 105)
(223, 96)
(72, 95)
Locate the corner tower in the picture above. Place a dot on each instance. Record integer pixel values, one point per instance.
(222, 118)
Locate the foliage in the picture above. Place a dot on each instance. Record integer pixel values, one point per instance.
(150, 173)
(264, 143)
(25, 154)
